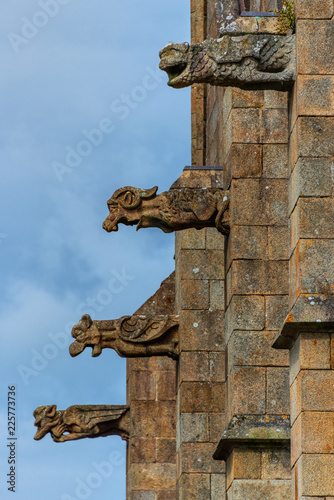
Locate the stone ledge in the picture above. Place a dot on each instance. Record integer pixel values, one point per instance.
(254, 431)
(310, 314)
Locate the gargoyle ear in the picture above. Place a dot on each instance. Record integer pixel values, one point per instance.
(86, 320)
(51, 411)
(148, 193)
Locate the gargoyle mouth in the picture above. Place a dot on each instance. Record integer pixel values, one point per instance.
(40, 433)
(110, 226)
(174, 72)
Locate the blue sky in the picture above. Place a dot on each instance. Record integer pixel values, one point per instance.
(84, 111)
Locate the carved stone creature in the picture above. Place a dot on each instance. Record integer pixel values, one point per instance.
(173, 210)
(129, 336)
(252, 61)
(81, 421)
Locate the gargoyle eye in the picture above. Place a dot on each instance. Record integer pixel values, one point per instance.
(128, 198)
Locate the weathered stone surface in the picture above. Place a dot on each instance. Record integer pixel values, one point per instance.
(275, 161)
(311, 177)
(315, 136)
(194, 427)
(259, 489)
(278, 391)
(202, 396)
(194, 486)
(195, 294)
(310, 351)
(249, 61)
(317, 9)
(312, 432)
(247, 391)
(315, 95)
(314, 38)
(197, 458)
(173, 210)
(243, 463)
(315, 475)
(247, 242)
(129, 336)
(277, 308)
(312, 218)
(259, 277)
(144, 476)
(244, 313)
(247, 348)
(202, 330)
(312, 390)
(81, 421)
(153, 418)
(276, 464)
(207, 264)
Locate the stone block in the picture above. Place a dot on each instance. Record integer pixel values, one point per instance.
(312, 177)
(152, 476)
(312, 218)
(260, 277)
(276, 464)
(191, 239)
(278, 391)
(202, 264)
(277, 308)
(316, 136)
(246, 125)
(253, 489)
(153, 418)
(246, 98)
(142, 450)
(244, 313)
(245, 160)
(278, 242)
(143, 385)
(312, 267)
(275, 161)
(202, 330)
(317, 9)
(275, 126)
(166, 450)
(246, 391)
(254, 349)
(194, 487)
(259, 202)
(202, 396)
(247, 242)
(217, 295)
(312, 433)
(214, 240)
(315, 95)
(314, 38)
(217, 366)
(315, 475)
(194, 294)
(166, 495)
(332, 351)
(197, 458)
(194, 366)
(143, 495)
(275, 99)
(217, 425)
(217, 486)
(243, 463)
(166, 385)
(194, 427)
(310, 352)
(314, 391)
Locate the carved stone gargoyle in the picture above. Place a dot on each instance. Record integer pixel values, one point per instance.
(173, 210)
(129, 336)
(250, 61)
(81, 421)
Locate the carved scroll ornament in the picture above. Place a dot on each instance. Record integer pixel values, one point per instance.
(81, 421)
(129, 336)
(173, 210)
(251, 61)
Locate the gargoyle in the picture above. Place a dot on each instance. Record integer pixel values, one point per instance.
(173, 210)
(81, 421)
(251, 61)
(129, 336)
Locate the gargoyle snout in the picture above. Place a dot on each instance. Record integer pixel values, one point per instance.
(110, 225)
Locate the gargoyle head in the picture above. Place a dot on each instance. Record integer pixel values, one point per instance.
(175, 59)
(85, 334)
(125, 206)
(46, 418)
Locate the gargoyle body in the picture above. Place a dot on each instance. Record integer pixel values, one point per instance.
(251, 61)
(78, 422)
(173, 210)
(129, 336)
